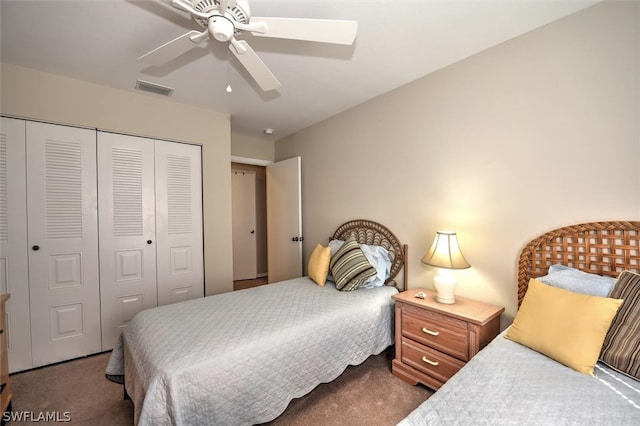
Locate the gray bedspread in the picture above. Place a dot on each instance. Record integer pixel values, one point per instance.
(509, 384)
(240, 357)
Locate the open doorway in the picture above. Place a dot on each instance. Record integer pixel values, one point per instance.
(247, 173)
(278, 231)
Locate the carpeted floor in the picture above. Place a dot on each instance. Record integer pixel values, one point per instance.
(77, 387)
(367, 394)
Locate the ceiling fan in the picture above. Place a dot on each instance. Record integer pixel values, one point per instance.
(225, 19)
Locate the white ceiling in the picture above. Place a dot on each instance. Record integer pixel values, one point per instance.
(398, 41)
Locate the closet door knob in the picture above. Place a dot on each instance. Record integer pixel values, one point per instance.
(36, 248)
(149, 241)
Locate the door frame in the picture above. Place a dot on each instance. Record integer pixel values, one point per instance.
(265, 163)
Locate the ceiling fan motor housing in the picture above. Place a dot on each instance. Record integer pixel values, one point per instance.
(239, 13)
(221, 28)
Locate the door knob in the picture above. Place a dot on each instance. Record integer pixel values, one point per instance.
(36, 248)
(149, 241)
(253, 231)
(295, 239)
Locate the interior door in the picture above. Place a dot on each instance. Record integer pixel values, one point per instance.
(14, 278)
(63, 240)
(180, 261)
(127, 230)
(243, 189)
(284, 219)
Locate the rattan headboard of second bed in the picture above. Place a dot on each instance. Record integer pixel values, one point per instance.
(603, 248)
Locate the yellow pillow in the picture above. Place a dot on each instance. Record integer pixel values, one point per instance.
(319, 264)
(566, 326)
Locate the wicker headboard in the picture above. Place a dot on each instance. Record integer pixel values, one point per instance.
(603, 248)
(373, 233)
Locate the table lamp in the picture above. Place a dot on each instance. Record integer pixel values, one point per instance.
(446, 255)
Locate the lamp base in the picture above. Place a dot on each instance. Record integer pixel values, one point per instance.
(445, 285)
(445, 301)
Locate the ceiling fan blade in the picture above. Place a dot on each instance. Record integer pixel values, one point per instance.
(320, 30)
(170, 50)
(254, 65)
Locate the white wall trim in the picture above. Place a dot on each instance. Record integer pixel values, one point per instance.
(247, 160)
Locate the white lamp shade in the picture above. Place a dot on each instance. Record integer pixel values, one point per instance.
(445, 252)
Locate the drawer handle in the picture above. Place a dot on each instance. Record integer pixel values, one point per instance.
(428, 361)
(433, 333)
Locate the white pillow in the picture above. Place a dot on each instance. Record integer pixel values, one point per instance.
(578, 281)
(334, 245)
(378, 257)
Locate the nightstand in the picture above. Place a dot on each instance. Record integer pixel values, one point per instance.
(435, 340)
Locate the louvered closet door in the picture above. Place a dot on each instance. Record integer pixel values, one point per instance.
(127, 230)
(14, 278)
(63, 242)
(179, 222)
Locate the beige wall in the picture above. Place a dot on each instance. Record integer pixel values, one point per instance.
(252, 147)
(36, 95)
(539, 132)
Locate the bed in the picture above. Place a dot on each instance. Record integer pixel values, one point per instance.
(508, 383)
(241, 357)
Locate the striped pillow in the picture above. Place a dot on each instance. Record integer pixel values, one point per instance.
(349, 266)
(621, 347)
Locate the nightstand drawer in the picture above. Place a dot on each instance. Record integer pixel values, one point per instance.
(430, 361)
(446, 334)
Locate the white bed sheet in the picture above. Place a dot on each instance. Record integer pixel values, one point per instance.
(239, 358)
(509, 384)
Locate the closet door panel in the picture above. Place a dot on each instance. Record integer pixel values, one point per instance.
(14, 277)
(179, 222)
(63, 242)
(127, 230)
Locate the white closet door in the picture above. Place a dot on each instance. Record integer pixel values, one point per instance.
(127, 230)
(179, 222)
(63, 242)
(14, 277)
